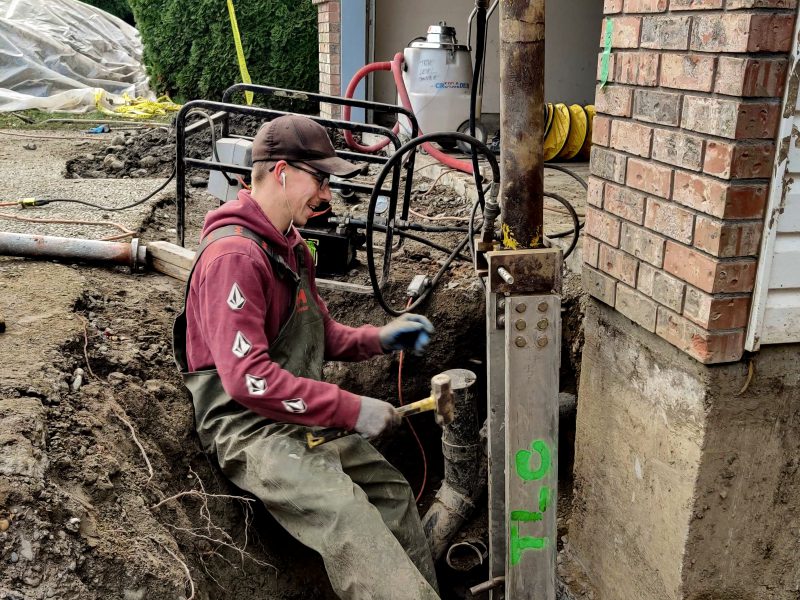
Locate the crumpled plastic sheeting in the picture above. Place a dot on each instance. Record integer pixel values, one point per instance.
(56, 55)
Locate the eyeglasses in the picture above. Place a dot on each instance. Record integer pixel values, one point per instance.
(322, 179)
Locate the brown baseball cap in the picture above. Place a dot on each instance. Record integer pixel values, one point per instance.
(295, 138)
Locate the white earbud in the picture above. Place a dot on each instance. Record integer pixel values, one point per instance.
(283, 179)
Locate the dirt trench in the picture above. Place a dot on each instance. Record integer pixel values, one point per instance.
(90, 404)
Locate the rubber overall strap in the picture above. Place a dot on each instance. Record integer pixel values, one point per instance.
(284, 270)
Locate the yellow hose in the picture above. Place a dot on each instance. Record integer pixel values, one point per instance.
(568, 131)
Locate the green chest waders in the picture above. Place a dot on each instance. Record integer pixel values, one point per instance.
(299, 349)
(342, 499)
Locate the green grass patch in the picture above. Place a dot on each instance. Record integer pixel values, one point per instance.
(37, 119)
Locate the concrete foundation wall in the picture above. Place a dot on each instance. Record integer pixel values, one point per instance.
(744, 538)
(684, 488)
(638, 444)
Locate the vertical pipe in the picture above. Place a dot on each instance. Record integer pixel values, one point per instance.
(522, 122)
(180, 175)
(464, 467)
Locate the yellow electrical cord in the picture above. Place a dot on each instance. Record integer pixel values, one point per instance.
(587, 143)
(557, 137)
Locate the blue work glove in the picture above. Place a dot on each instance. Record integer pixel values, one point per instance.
(406, 332)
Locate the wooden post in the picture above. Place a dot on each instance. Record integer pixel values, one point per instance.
(522, 122)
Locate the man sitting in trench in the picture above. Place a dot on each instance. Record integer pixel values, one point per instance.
(250, 345)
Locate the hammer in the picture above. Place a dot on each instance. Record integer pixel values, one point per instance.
(440, 401)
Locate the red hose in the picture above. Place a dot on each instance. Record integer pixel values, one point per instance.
(396, 68)
(351, 89)
(443, 158)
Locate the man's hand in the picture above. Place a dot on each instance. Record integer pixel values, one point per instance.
(406, 332)
(375, 417)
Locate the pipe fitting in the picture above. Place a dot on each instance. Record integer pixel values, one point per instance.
(465, 556)
(464, 468)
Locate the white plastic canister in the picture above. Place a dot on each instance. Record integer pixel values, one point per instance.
(438, 77)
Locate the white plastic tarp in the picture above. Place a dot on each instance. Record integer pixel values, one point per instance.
(56, 55)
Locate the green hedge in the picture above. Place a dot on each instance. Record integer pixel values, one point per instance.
(190, 53)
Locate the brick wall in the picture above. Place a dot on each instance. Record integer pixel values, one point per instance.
(682, 154)
(329, 18)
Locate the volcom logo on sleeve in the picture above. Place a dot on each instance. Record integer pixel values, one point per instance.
(236, 299)
(296, 405)
(241, 345)
(257, 386)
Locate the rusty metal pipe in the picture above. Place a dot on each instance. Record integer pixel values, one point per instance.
(522, 122)
(50, 247)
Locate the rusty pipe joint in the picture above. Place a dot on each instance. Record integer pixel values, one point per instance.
(131, 254)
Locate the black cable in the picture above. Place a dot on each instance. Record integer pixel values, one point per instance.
(360, 224)
(409, 146)
(110, 208)
(471, 238)
(471, 226)
(569, 172)
(406, 225)
(576, 224)
(480, 34)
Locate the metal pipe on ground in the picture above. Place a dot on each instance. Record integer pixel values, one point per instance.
(130, 254)
(464, 467)
(522, 123)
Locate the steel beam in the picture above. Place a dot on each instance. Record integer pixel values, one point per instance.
(496, 433)
(532, 348)
(524, 348)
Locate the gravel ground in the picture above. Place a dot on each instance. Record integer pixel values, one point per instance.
(39, 173)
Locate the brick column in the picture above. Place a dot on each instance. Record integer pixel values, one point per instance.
(329, 18)
(682, 153)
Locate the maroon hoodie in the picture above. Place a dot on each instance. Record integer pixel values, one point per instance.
(261, 306)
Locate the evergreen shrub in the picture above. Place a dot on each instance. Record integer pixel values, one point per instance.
(190, 53)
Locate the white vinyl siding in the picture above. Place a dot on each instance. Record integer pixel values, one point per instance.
(775, 315)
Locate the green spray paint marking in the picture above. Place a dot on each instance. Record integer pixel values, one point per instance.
(520, 544)
(544, 498)
(606, 53)
(523, 460)
(527, 516)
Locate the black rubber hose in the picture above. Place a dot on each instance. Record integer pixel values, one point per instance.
(429, 228)
(576, 224)
(360, 223)
(478, 146)
(569, 172)
(480, 39)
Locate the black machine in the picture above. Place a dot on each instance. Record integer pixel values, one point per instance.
(333, 239)
(332, 245)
